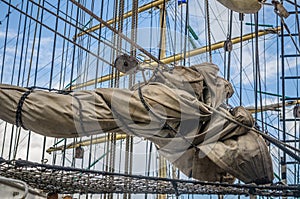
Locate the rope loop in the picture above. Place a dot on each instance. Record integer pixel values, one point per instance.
(19, 122)
(165, 124)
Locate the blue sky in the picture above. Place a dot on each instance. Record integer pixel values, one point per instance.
(85, 64)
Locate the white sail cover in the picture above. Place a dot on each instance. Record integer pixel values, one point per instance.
(171, 111)
(243, 6)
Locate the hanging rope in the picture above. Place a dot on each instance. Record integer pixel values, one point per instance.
(241, 17)
(257, 71)
(129, 139)
(290, 34)
(228, 48)
(186, 33)
(134, 22)
(208, 29)
(5, 41)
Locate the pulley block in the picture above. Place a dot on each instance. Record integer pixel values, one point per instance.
(126, 64)
(79, 151)
(296, 111)
(228, 45)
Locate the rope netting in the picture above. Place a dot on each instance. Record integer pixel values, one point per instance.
(51, 178)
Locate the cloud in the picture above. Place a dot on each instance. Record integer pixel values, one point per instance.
(13, 59)
(10, 34)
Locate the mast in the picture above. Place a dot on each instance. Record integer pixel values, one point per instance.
(162, 172)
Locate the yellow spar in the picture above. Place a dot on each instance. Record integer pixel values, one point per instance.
(85, 143)
(181, 56)
(126, 15)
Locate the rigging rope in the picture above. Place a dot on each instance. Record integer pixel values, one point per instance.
(257, 69)
(2, 72)
(99, 44)
(17, 42)
(228, 48)
(120, 34)
(129, 139)
(61, 35)
(290, 34)
(18, 130)
(208, 29)
(186, 33)
(73, 180)
(5, 41)
(241, 17)
(66, 56)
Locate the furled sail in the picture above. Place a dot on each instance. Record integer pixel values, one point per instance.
(243, 6)
(171, 110)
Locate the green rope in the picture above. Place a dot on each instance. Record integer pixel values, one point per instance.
(58, 142)
(271, 94)
(277, 176)
(68, 85)
(95, 162)
(87, 24)
(193, 33)
(192, 42)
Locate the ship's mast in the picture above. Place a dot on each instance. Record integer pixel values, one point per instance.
(162, 172)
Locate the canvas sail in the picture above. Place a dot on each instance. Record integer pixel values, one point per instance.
(243, 6)
(170, 110)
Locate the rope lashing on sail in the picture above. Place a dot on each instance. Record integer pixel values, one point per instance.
(164, 123)
(19, 122)
(283, 146)
(74, 180)
(276, 142)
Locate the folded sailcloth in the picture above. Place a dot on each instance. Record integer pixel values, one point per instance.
(171, 110)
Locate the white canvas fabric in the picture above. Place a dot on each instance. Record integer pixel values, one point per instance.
(170, 110)
(242, 6)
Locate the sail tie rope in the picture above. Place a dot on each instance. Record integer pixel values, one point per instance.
(19, 122)
(284, 147)
(165, 123)
(278, 143)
